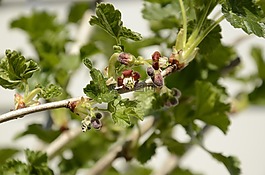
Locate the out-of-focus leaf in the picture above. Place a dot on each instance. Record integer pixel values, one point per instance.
(256, 53)
(174, 146)
(15, 70)
(38, 130)
(146, 151)
(258, 95)
(180, 171)
(6, 153)
(77, 10)
(209, 106)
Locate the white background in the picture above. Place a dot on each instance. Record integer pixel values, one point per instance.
(246, 136)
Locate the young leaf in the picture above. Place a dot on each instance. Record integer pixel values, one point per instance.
(146, 151)
(50, 91)
(11, 167)
(209, 106)
(109, 19)
(15, 70)
(245, 14)
(6, 153)
(97, 88)
(122, 110)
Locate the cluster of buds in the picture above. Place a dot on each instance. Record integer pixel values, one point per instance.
(173, 97)
(22, 102)
(91, 122)
(154, 71)
(128, 79)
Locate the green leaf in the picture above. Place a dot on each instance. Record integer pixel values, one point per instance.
(245, 14)
(122, 110)
(50, 91)
(258, 57)
(38, 162)
(77, 10)
(230, 162)
(15, 70)
(146, 151)
(209, 105)
(43, 134)
(12, 167)
(97, 88)
(174, 146)
(257, 96)
(109, 19)
(6, 153)
(180, 171)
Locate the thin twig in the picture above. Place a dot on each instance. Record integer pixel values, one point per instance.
(20, 113)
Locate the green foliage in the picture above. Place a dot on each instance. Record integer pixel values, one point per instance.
(15, 70)
(230, 162)
(245, 14)
(209, 106)
(109, 19)
(97, 88)
(77, 10)
(36, 164)
(122, 110)
(6, 153)
(146, 151)
(50, 91)
(46, 135)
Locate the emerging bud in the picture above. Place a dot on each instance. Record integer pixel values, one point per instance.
(158, 79)
(155, 57)
(127, 73)
(150, 71)
(175, 92)
(98, 115)
(125, 58)
(155, 65)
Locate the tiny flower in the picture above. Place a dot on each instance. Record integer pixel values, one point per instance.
(175, 92)
(163, 62)
(158, 79)
(150, 71)
(129, 82)
(136, 76)
(125, 58)
(95, 123)
(128, 79)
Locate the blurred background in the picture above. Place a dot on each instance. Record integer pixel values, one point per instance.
(245, 138)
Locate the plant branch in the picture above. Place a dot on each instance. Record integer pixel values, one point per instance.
(20, 113)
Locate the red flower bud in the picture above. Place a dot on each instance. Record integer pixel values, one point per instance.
(136, 76)
(120, 81)
(158, 79)
(155, 65)
(156, 55)
(127, 73)
(125, 58)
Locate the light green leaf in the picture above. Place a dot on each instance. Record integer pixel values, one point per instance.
(15, 70)
(257, 55)
(109, 19)
(209, 105)
(97, 88)
(50, 91)
(6, 153)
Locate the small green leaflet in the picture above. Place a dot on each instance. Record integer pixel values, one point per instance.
(15, 70)
(97, 88)
(122, 110)
(50, 91)
(209, 106)
(36, 164)
(109, 19)
(245, 14)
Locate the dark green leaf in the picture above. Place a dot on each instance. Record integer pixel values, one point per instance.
(256, 53)
(97, 89)
(38, 130)
(109, 19)
(257, 96)
(38, 162)
(245, 14)
(6, 153)
(180, 171)
(12, 167)
(77, 10)
(146, 151)
(209, 105)
(230, 162)
(15, 70)
(174, 146)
